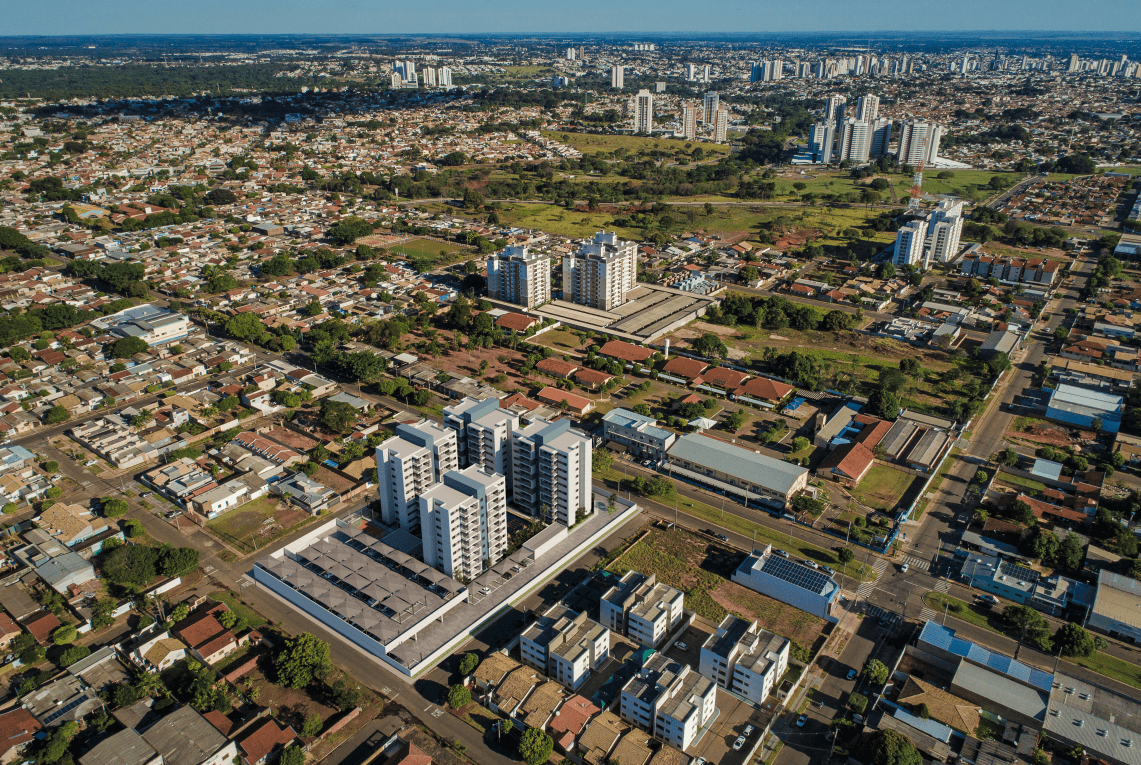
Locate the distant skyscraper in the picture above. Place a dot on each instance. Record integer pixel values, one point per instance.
(429, 78)
(754, 71)
(518, 276)
(868, 108)
(689, 120)
(601, 272)
(944, 230)
(618, 77)
(721, 126)
(834, 108)
(706, 73)
(659, 87)
(771, 71)
(642, 108)
(820, 141)
(881, 137)
(919, 139)
(691, 72)
(854, 142)
(1074, 63)
(909, 242)
(571, 54)
(444, 77)
(712, 101)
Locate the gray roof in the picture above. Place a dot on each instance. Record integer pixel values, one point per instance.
(1002, 690)
(758, 469)
(1000, 341)
(1100, 721)
(184, 737)
(124, 748)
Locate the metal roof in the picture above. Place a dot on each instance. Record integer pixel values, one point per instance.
(759, 469)
(943, 637)
(987, 684)
(1100, 721)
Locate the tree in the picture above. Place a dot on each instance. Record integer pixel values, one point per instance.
(799, 444)
(51, 466)
(294, 755)
(459, 696)
(884, 404)
(64, 635)
(177, 561)
(130, 566)
(535, 747)
(710, 345)
(981, 476)
(126, 347)
(245, 326)
(10, 507)
(312, 725)
(886, 747)
(468, 663)
(1073, 640)
(114, 508)
(735, 421)
(56, 415)
(846, 555)
(73, 654)
(1070, 553)
(1029, 624)
(1007, 457)
(876, 672)
(338, 416)
(53, 492)
(299, 660)
(1021, 512)
(858, 702)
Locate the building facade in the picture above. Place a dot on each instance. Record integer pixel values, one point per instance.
(910, 242)
(919, 140)
(642, 609)
(601, 272)
(565, 645)
(551, 471)
(668, 699)
(745, 659)
(483, 434)
(463, 522)
(519, 276)
(639, 434)
(407, 465)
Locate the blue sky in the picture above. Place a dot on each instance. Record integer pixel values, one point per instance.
(77, 17)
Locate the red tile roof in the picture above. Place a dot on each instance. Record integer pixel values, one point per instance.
(556, 367)
(573, 716)
(593, 377)
(517, 321)
(616, 349)
(17, 728)
(683, 367)
(872, 433)
(853, 460)
(552, 395)
(41, 625)
(409, 754)
(263, 739)
(730, 379)
(765, 389)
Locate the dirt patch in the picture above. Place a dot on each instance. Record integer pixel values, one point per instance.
(1043, 434)
(718, 329)
(736, 354)
(773, 615)
(798, 237)
(292, 439)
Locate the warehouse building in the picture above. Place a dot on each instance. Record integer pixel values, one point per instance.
(735, 471)
(1117, 607)
(1085, 408)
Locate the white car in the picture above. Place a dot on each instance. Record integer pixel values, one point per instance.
(748, 731)
(740, 742)
(682, 646)
(903, 569)
(811, 563)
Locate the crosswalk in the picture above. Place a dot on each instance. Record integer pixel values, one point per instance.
(927, 613)
(917, 563)
(942, 585)
(866, 588)
(889, 619)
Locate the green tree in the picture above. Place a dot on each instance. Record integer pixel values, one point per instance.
(56, 415)
(468, 663)
(126, 347)
(245, 326)
(885, 404)
(1070, 553)
(51, 466)
(114, 508)
(886, 747)
(858, 702)
(73, 654)
(53, 492)
(981, 476)
(300, 659)
(312, 725)
(876, 672)
(1030, 625)
(1073, 640)
(338, 416)
(799, 444)
(294, 755)
(846, 555)
(535, 747)
(735, 421)
(177, 561)
(459, 696)
(64, 635)
(10, 507)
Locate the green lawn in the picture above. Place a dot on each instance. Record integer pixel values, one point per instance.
(246, 615)
(558, 220)
(1025, 483)
(431, 250)
(883, 487)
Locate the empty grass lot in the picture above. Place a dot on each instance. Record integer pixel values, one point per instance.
(883, 487)
(595, 144)
(249, 527)
(429, 249)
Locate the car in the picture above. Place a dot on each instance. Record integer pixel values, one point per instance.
(700, 761)
(852, 674)
(740, 742)
(903, 569)
(858, 718)
(800, 721)
(811, 563)
(781, 553)
(991, 599)
(748, 730)
(681, 646)
(827, 570)
(710, 532)
(722, 537)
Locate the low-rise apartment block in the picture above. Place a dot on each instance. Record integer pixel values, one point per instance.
(744, 659)
(670, 700)
(642, 609)
(565, 645)
(639, 434)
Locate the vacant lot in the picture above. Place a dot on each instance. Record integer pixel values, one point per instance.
(256, 524)
(884, 487)
(701, 570)
(595, 144)
(440, 253)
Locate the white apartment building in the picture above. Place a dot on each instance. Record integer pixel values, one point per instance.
(429, 77)
(689, 120)
(919, 140)
(909, 244)
(834, 108)
(712, 104)
(618, 77)
(444, 77)
(463, 522)
(944, 229)
(407, 465)
(668, 699)
(820, 140)
(771, 71)
(881, 137)
(868, 108)
(855, 141)
(642, 112)
(744, 659)
(565, 645)
(550, 468)
(601, 272)
(642, 608)
(483, 434)
(721, 126)
(519, 276)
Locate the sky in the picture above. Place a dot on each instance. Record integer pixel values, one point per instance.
(78, 17)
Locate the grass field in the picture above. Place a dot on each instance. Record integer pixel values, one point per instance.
(596, 144)
(256, 524)
(562, 222)
(883, 487)
(429, 249)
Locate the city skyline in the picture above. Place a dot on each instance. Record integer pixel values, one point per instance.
(588, 17)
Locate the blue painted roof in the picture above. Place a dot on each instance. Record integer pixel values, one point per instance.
(943, 637)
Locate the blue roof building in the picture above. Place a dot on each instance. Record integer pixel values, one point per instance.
(1072, 405)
